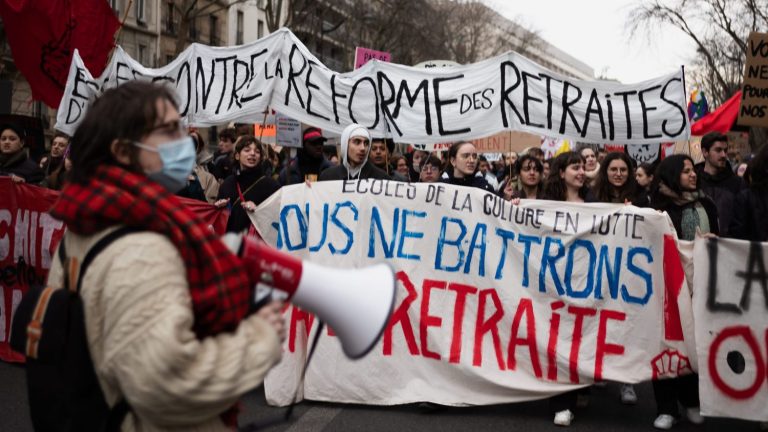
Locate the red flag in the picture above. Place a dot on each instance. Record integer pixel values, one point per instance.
(720, 120)
(43, 35)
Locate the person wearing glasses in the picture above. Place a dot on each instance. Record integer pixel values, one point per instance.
(430, 170)
(168, 308)
(355, 148)
(462, 157)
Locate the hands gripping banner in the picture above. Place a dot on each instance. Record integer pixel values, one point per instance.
(496, 303)
(421, 106)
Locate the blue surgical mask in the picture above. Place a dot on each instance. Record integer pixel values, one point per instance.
(178, 159)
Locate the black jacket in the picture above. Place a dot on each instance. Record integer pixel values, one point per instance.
(266, 186)
(750, 215)
(295, 171)
(21, 165)
(676, 213)
(469, 181)
(339, 172)
(722, 188)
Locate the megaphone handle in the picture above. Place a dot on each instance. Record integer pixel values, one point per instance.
(274, 268)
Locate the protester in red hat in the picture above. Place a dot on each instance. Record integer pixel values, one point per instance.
(309, 161)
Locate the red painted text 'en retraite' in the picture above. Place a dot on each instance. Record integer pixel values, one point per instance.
(487, 318)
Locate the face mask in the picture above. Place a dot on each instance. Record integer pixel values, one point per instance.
(178, 159)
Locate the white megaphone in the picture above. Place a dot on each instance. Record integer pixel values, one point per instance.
(355, 303)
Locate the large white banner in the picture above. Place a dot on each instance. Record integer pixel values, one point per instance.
(496, 303)
(731, 311)
(414, 105)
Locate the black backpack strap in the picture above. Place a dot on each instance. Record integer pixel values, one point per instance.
(100, 246)
(117, 412)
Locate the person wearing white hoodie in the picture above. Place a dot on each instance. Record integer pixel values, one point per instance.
(355, 147)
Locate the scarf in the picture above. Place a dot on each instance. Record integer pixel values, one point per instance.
(218, 284)
(694, 214)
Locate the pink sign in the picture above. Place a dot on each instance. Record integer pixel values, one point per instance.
(363, 55)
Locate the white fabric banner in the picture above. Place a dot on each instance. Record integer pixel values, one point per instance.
(731, 312)
(413, 105)
(496, 303)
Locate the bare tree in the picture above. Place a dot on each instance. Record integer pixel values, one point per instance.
(720, 29)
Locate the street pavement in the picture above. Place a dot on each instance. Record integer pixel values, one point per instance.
(605, 413)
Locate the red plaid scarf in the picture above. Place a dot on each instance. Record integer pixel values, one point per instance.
(218, 283)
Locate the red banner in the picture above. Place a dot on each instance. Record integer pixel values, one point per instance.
(28, 240)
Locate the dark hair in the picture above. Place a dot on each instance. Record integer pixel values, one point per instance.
(229, 134)
(245, 140)
(605, 191)
(432, 160)
(482, 158)
(126, 113)
(711, 138)
(554, 186)
(329, 150)
(454, 152)
(537, 164)
(524, 160)
(647, 168)
(16, 129)
(536, 152)
(668, 172)
(198, 139)
(58, 134)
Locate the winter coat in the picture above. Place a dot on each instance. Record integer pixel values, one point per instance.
(722, 188)
(339, 172)
(750, 215)
(266, 186)
(299, 167)
(469, 181)
(21, 165)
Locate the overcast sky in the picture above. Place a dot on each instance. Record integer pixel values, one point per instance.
(594, 31)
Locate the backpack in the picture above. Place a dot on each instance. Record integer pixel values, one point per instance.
(49, 328)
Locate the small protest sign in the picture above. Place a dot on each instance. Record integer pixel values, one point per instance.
(754, 95)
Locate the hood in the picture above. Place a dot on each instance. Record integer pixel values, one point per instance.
(350, 131)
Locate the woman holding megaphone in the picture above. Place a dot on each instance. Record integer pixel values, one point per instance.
(167, 305)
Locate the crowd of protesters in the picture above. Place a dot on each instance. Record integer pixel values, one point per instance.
(711, 198)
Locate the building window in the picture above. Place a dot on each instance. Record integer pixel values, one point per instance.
(239, 34)
(114, 4)
(140, 17)
(143, 54)
(170, 25)
(260, 29)
(213, 25)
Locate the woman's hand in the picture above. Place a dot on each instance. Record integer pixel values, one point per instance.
(249, 206)
(272, 313)
(17, 179)
(221, 203)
